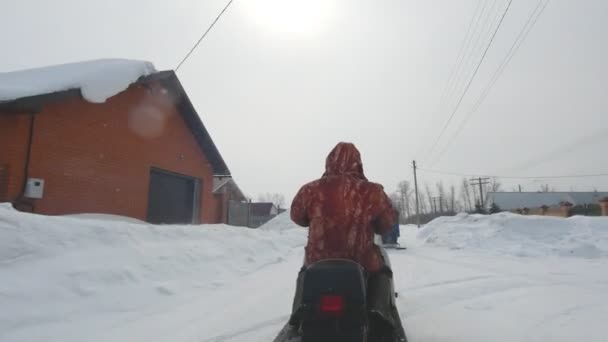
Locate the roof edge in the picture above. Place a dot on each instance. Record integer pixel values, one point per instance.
(33, 104)
(193, 120)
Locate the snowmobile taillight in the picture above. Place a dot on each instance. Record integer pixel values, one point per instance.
(332, 304)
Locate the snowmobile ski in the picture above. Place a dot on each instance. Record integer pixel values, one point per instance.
(394, 246)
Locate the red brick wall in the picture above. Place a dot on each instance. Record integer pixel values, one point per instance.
(97, 157)
(14, 130)
(222, 207)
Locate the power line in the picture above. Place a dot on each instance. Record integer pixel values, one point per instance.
(562, 150)
(464, 54)
(445, 126)
(477, 45)
(466, 42)
(516, 44)
(204, 35)
(472, 77)
(523, 34)
(513, 177)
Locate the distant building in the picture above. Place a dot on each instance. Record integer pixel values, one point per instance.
(262, 213)
(252, 215)
(549, 203)
(227, 192)
(142, 152)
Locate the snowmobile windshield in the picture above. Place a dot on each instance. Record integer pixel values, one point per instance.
(344, 159)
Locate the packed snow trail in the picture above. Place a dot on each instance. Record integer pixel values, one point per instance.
(451, 295)
(67, 279)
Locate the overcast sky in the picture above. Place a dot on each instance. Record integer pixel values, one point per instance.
(279, 82)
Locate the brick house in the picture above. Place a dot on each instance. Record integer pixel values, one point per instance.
(143, 153)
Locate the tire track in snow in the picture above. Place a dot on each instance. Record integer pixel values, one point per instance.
(444, 283)
(482, 268)
(250, 329)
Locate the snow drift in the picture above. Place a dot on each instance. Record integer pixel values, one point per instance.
(54, 268)
(97, 80)
(94, 278)
(518, 235)
(280, 223)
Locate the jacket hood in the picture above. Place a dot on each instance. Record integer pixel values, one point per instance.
(344, 159)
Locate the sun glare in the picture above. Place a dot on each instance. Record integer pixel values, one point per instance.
(301, 17)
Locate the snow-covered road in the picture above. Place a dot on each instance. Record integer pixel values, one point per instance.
(459, 296)
(456, 296)
(112, 282)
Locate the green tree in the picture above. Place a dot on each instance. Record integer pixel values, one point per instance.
(494, 208)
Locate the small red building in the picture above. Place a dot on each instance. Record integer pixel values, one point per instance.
(143, 152)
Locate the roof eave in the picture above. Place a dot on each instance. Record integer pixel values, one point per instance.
(193, 121)
(33, 104)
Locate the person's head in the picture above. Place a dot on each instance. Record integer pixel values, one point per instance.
(344, 159)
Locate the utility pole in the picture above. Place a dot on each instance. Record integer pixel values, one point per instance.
(416, 191)
(480, 181)
(249, 213)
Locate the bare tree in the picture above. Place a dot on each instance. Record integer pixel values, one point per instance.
(429, 198)
(465, 194)
(442, 196)
(546, 188)
(496, 185)
(396, 201)
(458, 207)
(405, 193)
(422, 203)
(452, 199)
(277, 199)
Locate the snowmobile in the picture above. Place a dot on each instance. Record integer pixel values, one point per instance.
(336, 305)
(393, 246)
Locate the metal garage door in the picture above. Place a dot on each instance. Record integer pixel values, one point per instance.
(173, 198)
(3, 182)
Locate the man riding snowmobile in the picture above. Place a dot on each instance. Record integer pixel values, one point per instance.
(344, 211)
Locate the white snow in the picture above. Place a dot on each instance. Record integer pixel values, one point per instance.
(518, 235)
(105, 217)
(280, 222)
(67, 279)
(97, 80)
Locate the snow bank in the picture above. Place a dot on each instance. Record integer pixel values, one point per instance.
(512, 234)
(105, 217)
(280, 223)
(55, 267)
(97, 80)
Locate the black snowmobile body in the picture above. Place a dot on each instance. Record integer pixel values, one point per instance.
(338, 304)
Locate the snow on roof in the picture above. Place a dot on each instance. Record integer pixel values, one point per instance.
(97, 80)
(219, 182)
(515, 200)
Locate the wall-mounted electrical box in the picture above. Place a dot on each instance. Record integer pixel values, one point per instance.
(34, 188)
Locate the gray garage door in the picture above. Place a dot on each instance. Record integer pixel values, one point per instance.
(173, 198)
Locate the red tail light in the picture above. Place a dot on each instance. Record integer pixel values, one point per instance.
(332, 304)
